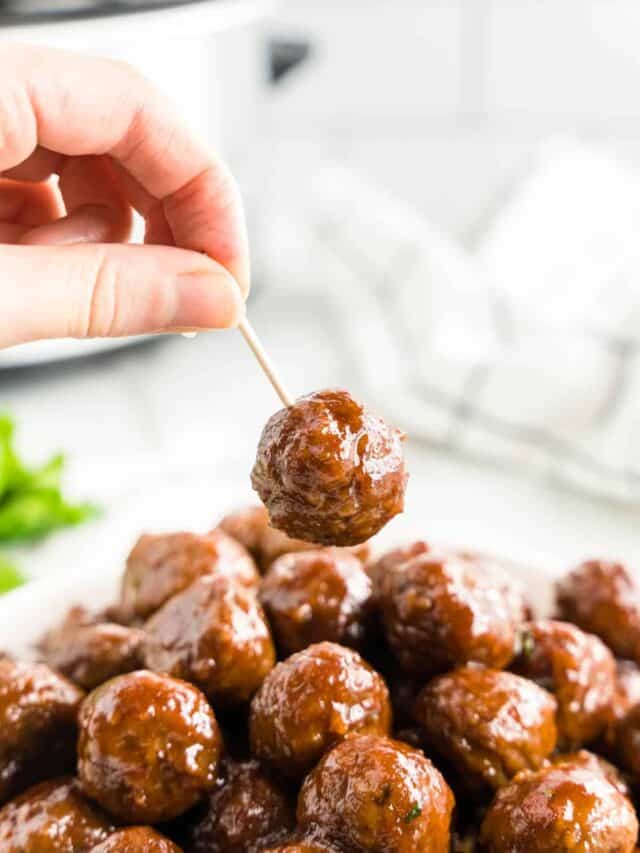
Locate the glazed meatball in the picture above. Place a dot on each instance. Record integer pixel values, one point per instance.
(38, 714)
(303, 845)
(136, 839)
(248, 526)
(379, 569)
(161, 566)
(214, 634)
(487, 723)
(584, 758)
(604, 598)
(276, 544)
(248, 808)
(328, 471)
(90, 652)
(149, 747)
(251, 528)
(265, 544)
(312, 700)
(627, 688)
(52, 817)
(376, 794)
(579, 670)
(443, 610)
(626, 695)
(315, 596)
(627, 741)
(560, 808)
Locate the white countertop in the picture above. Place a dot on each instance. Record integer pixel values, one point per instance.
(169, 430)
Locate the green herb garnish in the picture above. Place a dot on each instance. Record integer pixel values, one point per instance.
(10, 577)
(527, 644)
(414, 812)
(31, 501)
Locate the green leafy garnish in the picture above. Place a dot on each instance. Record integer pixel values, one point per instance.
(10, 577)
(31, 501)
(527, 644)
(414, 812)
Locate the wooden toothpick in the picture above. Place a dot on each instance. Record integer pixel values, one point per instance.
(264, 361)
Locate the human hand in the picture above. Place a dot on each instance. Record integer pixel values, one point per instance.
(115, 145)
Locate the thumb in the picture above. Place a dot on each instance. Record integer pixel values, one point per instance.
(111, 290)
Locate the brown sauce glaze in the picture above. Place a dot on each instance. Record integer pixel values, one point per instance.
(311, 701)
(487, 724)
(376, 794)
(50, 817)
(89, 652)
(248, 808)
(251, 528)
(328, 471)
(563, 808)
(137, 839)
(214, 634)
(149, 747)
(38, 725)
(317, 595)
(577, 668)
(603, 597)
(442, 610)
(161, 565)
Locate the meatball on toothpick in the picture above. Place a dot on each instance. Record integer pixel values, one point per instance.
(328, 471)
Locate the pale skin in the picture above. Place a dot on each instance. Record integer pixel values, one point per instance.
(83, 143)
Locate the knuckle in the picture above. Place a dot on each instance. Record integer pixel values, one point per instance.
(160, 305)
(224, 183)
(141, 94)
(219, 184)
(135, 85)
(101, 306)
(117, 303)
(18, 127)
(132, 76)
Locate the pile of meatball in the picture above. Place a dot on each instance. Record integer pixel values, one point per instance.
(251, 693)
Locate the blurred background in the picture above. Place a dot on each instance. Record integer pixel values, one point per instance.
(444, 211)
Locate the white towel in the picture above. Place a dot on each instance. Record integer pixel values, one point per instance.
(522, 351)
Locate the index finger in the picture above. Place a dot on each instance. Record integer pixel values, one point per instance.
(77, 105)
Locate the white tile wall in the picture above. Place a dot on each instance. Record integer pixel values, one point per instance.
(445, 101)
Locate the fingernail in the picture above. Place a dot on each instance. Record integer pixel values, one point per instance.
(207, 301)
(241, 271)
